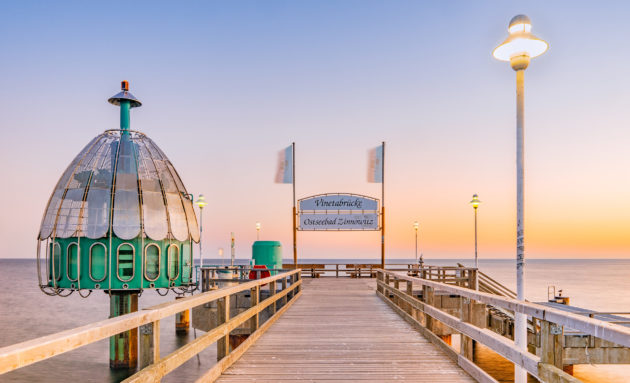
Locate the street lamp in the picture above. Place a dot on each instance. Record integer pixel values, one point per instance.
(519, 48)
(475, 204)
(258, 231)
(201, 202)
(416, 225)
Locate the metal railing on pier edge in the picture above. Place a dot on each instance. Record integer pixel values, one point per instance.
(419, 309)
(35, 350)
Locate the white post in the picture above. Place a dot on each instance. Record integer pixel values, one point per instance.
(200, 237)
(416, 245)
(520, 330)
(476, 261)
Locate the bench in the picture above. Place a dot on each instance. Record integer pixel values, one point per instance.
(362, 270)
(312, 270)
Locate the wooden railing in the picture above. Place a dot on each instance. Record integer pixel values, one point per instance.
(471, 324)
(32, 351)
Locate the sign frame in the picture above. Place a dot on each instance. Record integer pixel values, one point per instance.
(337, 213)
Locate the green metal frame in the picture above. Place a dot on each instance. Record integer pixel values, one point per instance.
(87, 279)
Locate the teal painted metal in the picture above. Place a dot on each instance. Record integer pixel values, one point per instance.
(123, 347)
(137, 264)
(268, 253)
(125, 105)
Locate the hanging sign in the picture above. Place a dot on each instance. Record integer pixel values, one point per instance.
(339, 221)
(339, 202)
(338, 212)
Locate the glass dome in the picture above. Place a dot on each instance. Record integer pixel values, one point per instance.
(122, 180)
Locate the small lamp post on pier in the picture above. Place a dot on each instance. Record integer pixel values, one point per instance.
(416, 225)
(475, 204)
(258, 231)
(201, 202)
(519, 48)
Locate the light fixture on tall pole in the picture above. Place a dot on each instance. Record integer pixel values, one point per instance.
(416, 225)
(475, 204)
(519, 48)
(258, 231)
(201, 202)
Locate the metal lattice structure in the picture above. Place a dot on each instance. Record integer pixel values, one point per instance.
(119, 217)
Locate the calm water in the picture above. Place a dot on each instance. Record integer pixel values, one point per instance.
(26, 313)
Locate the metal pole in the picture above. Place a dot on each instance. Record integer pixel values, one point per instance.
(416, 245)
(520, 331)
(200, 236)
(383, 210)
(476, 262)
(294, 210)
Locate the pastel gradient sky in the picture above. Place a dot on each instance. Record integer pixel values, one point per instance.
(225, 85)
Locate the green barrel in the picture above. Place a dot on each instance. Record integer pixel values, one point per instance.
(268, 253)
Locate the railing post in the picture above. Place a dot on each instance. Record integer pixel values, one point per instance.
(466, 344)
(337, 271)
(379, 278)
(272, 292)
(254, 299)
(397, 287)
(223, 315)
(284, 287)
(410, 309)
(149, 344)
(551, 343)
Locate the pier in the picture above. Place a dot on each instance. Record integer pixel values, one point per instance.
(396, 326)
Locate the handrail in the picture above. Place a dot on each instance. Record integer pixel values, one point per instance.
(598, 328)
(470, 324)
(35, 350)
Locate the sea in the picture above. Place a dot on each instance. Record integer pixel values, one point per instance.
(26, 313)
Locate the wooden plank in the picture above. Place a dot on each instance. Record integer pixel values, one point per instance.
(226, 362)
(172, 361)
(496, 342)
(552, 374)
(340, 330)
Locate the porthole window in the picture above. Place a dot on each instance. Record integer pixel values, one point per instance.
(72, 261)
(125, 262)
(173, 262)
(186, 263)
(98, 262)
(55, 261)
(152, 262)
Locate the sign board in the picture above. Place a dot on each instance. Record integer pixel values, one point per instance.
(337, 212)
(334, 222)
(349, 202)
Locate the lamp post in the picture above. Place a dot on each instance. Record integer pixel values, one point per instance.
(201, 202)
(475, 204)
(519, 48)
(258, 231)
(416, 225)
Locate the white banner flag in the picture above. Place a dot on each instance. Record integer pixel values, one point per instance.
(284, 174)
(375, 164)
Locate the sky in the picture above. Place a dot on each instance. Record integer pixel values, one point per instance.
(226, 84)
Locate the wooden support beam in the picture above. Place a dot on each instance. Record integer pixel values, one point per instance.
(254, 299)
(284, 287)
(272, 292)
(551, 343)
(223, 316)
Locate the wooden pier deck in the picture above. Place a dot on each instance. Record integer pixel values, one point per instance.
(340, 330)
